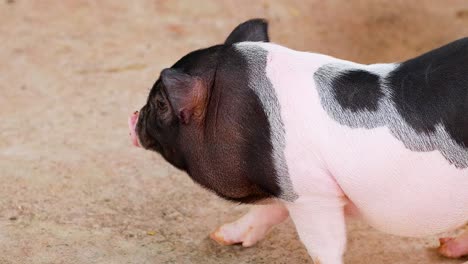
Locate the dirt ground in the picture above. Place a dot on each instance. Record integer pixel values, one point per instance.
(73, 190)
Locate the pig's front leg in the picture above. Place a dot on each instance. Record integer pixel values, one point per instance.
(252, 227)
(320, 223)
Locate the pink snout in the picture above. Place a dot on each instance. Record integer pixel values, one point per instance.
(132, 121)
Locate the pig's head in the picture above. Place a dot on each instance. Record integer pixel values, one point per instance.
(203, 119)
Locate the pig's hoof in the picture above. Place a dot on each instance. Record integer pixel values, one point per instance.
(230, 234)
(218, 236)
(453, 247)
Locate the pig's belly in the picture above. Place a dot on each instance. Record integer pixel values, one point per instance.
(397, 190)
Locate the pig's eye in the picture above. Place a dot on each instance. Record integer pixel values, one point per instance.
(161, 105)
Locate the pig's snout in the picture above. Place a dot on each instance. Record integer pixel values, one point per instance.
(132, 121)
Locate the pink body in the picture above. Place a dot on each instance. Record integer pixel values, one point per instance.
(396, 190)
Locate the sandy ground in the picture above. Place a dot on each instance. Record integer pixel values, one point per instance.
(73, 190)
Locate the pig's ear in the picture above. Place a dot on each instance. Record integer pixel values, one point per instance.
(186, 94)
(251, 30)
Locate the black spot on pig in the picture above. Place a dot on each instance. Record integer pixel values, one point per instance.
(357, 90)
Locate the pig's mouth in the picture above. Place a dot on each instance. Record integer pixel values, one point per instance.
(132, 122)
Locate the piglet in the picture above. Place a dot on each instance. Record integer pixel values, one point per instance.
(312, 137)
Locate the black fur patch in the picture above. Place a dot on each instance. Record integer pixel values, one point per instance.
(244, 126)
(433, 89)
(357, 90)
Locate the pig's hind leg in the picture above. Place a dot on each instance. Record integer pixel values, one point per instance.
(454, 247)
(252, 227)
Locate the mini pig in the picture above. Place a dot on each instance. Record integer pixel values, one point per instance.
(316, 138)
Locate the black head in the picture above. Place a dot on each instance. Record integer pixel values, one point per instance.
(185, 120)
(172, 120)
